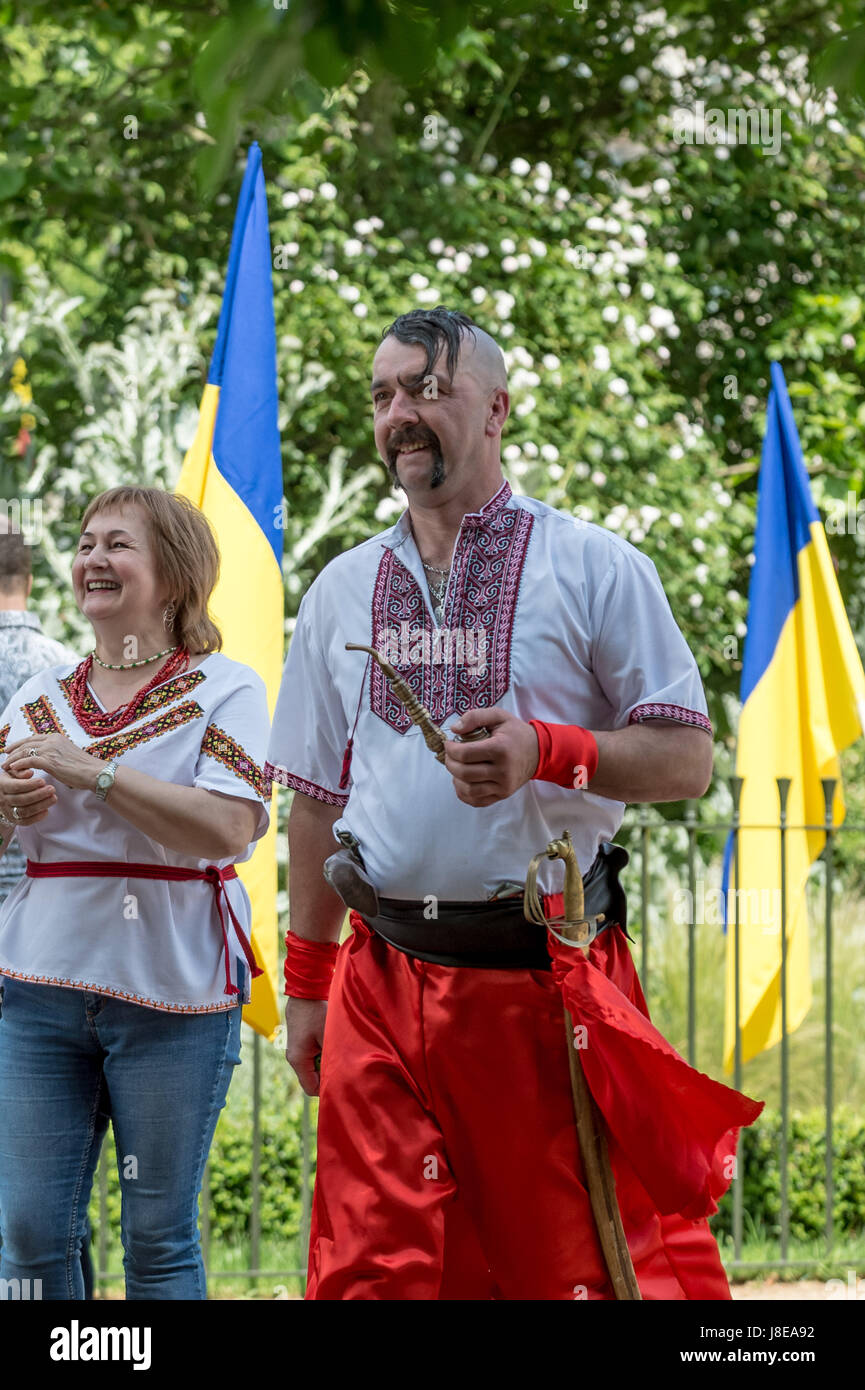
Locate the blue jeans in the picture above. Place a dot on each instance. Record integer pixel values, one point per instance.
(70, 1061)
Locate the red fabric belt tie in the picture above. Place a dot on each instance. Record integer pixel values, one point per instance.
(101, 868)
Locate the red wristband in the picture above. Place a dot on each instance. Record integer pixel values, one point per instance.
(309, 966)
(568, 754)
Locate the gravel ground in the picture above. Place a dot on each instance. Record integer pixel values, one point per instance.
(775, 1290)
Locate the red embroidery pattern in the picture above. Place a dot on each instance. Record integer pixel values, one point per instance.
(156, 699)
(4, 734)
(278, 774)
(228, 751)
(42, 716)
(117, 744)
(481, 605)
(677, 712)
(117, 993)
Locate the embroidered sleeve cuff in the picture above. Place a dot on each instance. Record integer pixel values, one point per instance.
(677, 712)
(302, 784)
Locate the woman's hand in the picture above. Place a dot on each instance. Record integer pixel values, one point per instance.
(56, 754)
(31, 797)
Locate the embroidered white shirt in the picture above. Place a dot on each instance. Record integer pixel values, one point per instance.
(149, 941)
(547, 616)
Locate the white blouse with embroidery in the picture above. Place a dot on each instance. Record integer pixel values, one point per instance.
(546, 616)
(149, 941)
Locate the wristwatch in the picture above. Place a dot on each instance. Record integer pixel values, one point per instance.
(105, 780)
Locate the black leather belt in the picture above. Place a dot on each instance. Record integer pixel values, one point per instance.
(495, 935)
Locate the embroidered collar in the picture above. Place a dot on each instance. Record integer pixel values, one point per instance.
(488, 514)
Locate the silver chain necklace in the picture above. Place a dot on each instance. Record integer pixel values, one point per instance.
(437, 589)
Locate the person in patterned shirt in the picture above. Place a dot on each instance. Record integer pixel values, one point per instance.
(24, 650)
(134, 783)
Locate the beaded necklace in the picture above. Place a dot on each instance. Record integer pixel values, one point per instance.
(111, 721)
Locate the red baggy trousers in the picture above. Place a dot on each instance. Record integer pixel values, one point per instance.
(448, 1162)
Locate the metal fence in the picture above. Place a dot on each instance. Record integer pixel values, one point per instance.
(641, 830)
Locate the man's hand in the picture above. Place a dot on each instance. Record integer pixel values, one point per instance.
(304, 1035)
(493, 768)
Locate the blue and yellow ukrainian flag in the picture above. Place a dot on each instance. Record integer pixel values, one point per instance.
(233, 472)
(803, 701)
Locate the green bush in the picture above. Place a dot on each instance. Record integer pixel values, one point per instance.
(759, 1164)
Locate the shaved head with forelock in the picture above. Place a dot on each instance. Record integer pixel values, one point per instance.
(440, 398)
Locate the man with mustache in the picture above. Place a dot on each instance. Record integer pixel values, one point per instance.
(448, 1161)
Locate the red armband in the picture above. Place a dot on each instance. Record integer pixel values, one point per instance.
(569, 754)
(309, 966)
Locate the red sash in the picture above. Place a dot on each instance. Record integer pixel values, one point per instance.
(100, 868)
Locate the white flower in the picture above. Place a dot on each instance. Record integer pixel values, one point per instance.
(550, 361)
(549, 452)
(363, 227)
(629, 83)
(698, 544)
(436, 246)
(296, 286)
(447, 176)
(361, 310)
(619, 386)
(601, 361)
(640, 420)
(462, 262)
(520, 167)
(636, 534)
(645, 333)
(599, 479)
(526, 406)
(352, 247)
(705, 351)
(649, 514)
(418, 281)
(511, 451)
(444, 264)
(290, 200)
(530, 449)
(555, 471)
(478, 294)
(610, 314)
(675, 518)
(701, 573)
(647, 291)
(327, 190)
(661, 186)
(507, 245)
(581, 470)
(695, 600)
(510, 264)
(349, 292)
(612, 522)
(660, 317)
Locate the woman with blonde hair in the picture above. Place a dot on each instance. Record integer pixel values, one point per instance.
(134, 784)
